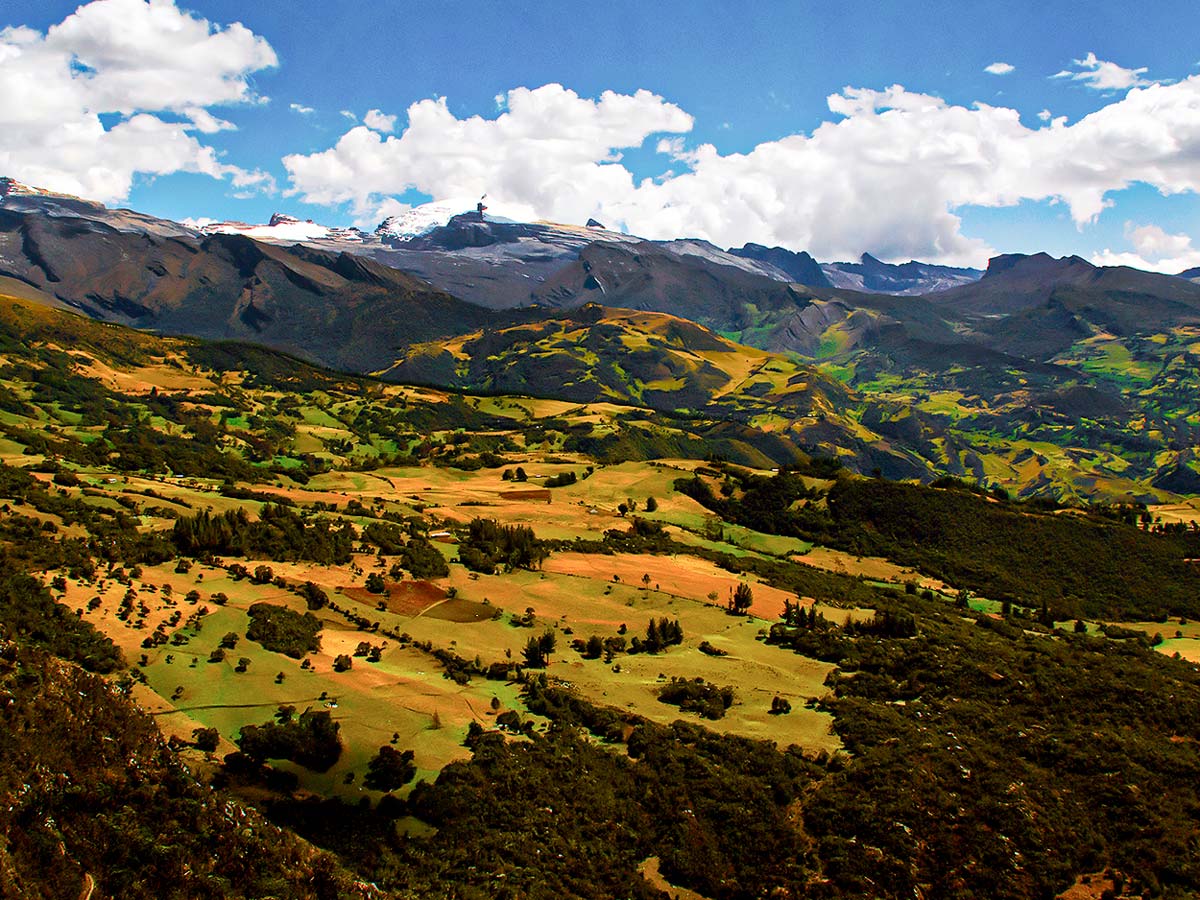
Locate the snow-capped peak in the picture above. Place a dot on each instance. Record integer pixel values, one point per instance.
(281, 228)
(10, 186)
(420, 220)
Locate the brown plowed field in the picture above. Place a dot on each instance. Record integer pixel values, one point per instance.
(405, 598)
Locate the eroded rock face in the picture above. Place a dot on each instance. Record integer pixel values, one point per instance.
(799, 267)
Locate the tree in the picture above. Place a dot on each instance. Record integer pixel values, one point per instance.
(651, 504)
(375, 583)
(742, 599)
(313, 595)
(654, 640)
(537, 649)
(520, 475)
(390, 769)
(342, 663)
(206, 739)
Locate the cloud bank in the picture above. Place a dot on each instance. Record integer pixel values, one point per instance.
(1153, 250)
(888, 174)
(155, 69)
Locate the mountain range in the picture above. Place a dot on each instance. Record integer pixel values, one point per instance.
(1046, 375)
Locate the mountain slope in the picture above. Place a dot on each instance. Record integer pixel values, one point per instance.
(872, 275)
(1014, 283)
(798, 267)
(334, 308)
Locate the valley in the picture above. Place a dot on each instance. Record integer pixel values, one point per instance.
(618, 451)
(468, 584)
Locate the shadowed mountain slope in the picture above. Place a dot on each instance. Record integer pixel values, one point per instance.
(334, 308)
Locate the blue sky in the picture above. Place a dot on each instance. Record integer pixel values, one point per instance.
(745, 79)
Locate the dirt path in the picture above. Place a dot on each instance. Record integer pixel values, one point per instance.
(650, 871)
(186, 709)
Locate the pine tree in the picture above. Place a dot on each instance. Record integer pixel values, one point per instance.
(743, 597)
(653, 639)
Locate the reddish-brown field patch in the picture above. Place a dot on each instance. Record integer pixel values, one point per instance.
(405, 598)
(542, 494)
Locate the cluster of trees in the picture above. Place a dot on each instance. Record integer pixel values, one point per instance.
(279, 533)
(697, 695)
(796, 615)
(390, 769)
(387, 536)
(488, 544)
(741, 599)
(310, 739)
(423, 560)
(1089, 565)
(538, 649)
(281, 630)
(660, 634)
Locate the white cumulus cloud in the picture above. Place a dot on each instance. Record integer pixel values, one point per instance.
(379, 122)
(1153, 250)
(159, 69)
(1100, 75)
(999, 68)
(550, 149)
(301, 109)
(888, 173)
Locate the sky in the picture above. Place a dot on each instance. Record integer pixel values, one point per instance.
(940, 131)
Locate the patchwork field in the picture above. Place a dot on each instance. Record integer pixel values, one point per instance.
(205, 672)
